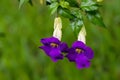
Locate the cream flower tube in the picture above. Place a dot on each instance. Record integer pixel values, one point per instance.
(57, 28)
(82, 35)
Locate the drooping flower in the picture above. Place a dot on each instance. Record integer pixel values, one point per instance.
(80, 53)
(79, 47)
(52, 46)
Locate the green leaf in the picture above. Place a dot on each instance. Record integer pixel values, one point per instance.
(54, 7)
(65, 13)
(76, 12)
(48, 2)
(77, 21)
(95, 18)
(22, 2)
(64, 4)
(89, 5)
(76, 25)
(73, 3)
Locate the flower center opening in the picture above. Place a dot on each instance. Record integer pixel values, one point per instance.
(78, 50)
(53, 44)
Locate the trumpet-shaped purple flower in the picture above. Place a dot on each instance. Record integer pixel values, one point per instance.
(54, 48)
(81, 54)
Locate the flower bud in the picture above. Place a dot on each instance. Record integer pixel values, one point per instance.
(57, 28)
(82, 35)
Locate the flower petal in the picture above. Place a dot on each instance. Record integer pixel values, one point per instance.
(63, 47)
(46, 49)
(79, 44)
(55, 59)
(47, 41)
(71, 55)
(82, 61)
(89, 53)
(55, 54)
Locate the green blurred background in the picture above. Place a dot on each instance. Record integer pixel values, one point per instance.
(20, 34)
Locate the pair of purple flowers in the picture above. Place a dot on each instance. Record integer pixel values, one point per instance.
(78, 53)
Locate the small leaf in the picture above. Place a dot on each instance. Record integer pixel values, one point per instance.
(48, 2)
(95, 18)
(54, 7)
(21, 3)
(64, 4)
(73, 3)
(65, 13)
(76, 12)
(89, 5)
(76, 25)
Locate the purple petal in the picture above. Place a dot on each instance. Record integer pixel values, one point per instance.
(47, 41)
(46, 49)
(82, 61)
(80, 66)
(54, 59)
(55, 54)
(89, 53)
(71, 55)
(79, 44)
(63, 47)
(84, 65)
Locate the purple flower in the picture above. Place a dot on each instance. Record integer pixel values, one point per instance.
(54, 48)
(82, 61)
(80, 54)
